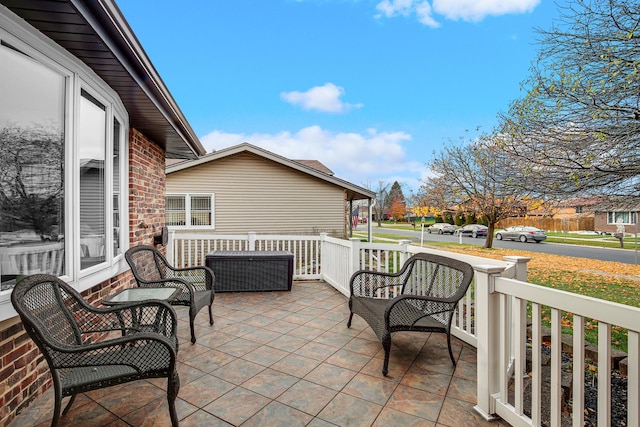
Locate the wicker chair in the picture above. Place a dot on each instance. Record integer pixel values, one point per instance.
(421, 297)
(151, 268)
(88, 348)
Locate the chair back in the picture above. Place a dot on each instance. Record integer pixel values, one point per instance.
(49, 309)
(44, 258)
(438, 276)
(147, 263)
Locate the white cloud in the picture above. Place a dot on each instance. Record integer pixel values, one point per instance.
(465, 10)
(477, 10)
(321, 98)
(359, 158)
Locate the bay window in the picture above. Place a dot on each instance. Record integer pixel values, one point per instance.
(62, 139)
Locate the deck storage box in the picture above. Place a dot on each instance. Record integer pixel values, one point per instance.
(251, 271)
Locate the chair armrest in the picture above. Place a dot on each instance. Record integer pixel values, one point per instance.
(367, 283)
(201, 277)
(175, 282)
(116, 351)
(157, 316)
(407, 309)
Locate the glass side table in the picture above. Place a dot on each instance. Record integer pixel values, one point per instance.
(141, 294)
(141, 319)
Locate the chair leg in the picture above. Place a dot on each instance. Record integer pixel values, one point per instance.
(386, 345)
(350, 319)
(210, 315)
(66, 409)
(450, 351)
(173, 385)
(57, 405)
(192, 318)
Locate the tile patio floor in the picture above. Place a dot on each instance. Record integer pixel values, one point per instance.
(288, 359)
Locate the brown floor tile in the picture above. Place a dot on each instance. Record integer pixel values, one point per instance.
(270, 383)
(265, 355)
(202, 418)
(204, 390)
(307, 397)
(238, 371)
(370, 388)
(121, 401)
(316, 351)
(390, 417)
(209, 361)
(237, 406)
(416, 402)
(331, 376)
(276, 414)
(348, 359)
(346, 410)
(296, 365)
(238, 347)
(457, 413)
(421, 379)
(462, 389)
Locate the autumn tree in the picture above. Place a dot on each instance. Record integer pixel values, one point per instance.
(578, 127)
(396, 202)
(475, 177)
(398, 209)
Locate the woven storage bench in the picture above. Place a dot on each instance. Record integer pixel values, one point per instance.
(250, 271)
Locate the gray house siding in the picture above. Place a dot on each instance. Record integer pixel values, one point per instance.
(256, 194)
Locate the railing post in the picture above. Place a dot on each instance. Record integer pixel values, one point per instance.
(320, 256)
(170, 242)
(252, 240)
(404, 253)
(354, 255)
(521, 266)
(487, 324)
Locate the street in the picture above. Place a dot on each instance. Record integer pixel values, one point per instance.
(627, 256)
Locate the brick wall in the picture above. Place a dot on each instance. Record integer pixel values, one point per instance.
(24, 374)
(146, 189)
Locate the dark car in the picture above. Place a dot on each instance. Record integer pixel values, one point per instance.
(473, 230)
(522, 233)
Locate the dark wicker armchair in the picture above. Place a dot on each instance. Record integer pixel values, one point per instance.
(151, 269)
(422, 296)
(88, 348)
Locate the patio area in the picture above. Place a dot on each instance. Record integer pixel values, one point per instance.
(287, 359)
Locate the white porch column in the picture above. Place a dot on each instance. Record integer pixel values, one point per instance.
(252, 240)
(487, 324)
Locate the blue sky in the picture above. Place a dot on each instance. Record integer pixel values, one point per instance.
(370, 88)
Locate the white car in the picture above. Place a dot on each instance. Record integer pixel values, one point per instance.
(522, 233)
(441, 228)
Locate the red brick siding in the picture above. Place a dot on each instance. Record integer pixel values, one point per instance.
(24, 374)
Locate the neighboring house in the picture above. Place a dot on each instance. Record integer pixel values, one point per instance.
(616, 215)
(86, 124)
(246, 188)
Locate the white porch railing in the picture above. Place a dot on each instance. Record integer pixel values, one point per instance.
(188, 250)
(501, 321)
(492, 317)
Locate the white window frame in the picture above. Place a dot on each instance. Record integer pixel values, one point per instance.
(632, 215)
(78, 75)
(187, 206)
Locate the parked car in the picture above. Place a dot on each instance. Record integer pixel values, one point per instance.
(473, 230)
(441, 228)
(522, 233)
